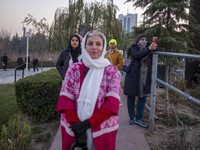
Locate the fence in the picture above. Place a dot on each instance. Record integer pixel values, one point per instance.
(20, 67)
(155, 80)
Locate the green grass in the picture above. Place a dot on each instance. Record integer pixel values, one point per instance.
(8, 104)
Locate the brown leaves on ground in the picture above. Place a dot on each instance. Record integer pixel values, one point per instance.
(181, 130)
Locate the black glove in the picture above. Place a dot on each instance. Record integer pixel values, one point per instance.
(80, 127)
(82, 141)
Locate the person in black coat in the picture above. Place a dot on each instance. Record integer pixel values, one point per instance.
(138, 80)
(69, 55)
(5, 61)
(19, 60)
(35, 63)
(28, 62)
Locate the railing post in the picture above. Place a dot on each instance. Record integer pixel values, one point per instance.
(15, 74)
(153, 92)
(22, 73)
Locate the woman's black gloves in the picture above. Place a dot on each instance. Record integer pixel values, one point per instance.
(80, 127)
(82, 141)
(79, 130)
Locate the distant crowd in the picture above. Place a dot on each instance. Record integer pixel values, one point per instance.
(20, 62)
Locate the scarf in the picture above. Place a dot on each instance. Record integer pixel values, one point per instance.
(91, 83)
(146, 59)
(75, 52)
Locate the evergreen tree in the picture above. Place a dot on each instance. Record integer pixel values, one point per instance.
(22, 47)
(171, 21)
(15, 43)
(4, 41)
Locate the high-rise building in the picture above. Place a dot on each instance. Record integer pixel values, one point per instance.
(128, 21)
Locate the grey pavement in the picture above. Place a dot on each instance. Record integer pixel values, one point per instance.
(129, 137)
(9, 75)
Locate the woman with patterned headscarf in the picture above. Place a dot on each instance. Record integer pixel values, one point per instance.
(89, 99)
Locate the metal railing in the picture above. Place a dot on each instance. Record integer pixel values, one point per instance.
(155, 80)
(20, 67)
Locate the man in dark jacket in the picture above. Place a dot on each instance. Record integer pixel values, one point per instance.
(5, 61)
(19, 60)
(138, 80)
(35, 63)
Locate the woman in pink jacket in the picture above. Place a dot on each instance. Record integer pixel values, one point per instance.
(89, 99)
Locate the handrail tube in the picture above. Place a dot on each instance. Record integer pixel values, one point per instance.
(148, 108)
(20, 66)
(178, 54)
(17, 68)
(154, 80)
(189, 97)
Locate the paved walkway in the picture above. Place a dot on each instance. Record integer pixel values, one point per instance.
(129, 137)
(9, 75)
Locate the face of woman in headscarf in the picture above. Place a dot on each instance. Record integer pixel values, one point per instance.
(94, 46)
(74, 42)
(143, 42)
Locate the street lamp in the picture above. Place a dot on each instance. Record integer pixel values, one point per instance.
(28, 35)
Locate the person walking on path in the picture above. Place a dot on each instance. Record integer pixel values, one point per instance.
(5, 61)
(69, 55)
(19, 60)
(28, 62)
(113, 55)
(35, 63)
(138, 80)
(89, 107)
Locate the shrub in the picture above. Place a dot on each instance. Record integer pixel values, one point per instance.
(179, 83)
(16, 136)
(37, 95)
(184, 118)
(9, 65)
(195, 91)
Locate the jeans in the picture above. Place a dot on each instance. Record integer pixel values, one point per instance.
(5, 66)
(140, 107)
(35, 67)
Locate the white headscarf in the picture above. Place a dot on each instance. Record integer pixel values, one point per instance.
(91, 83)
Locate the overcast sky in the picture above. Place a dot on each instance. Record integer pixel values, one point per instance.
(13, 12)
